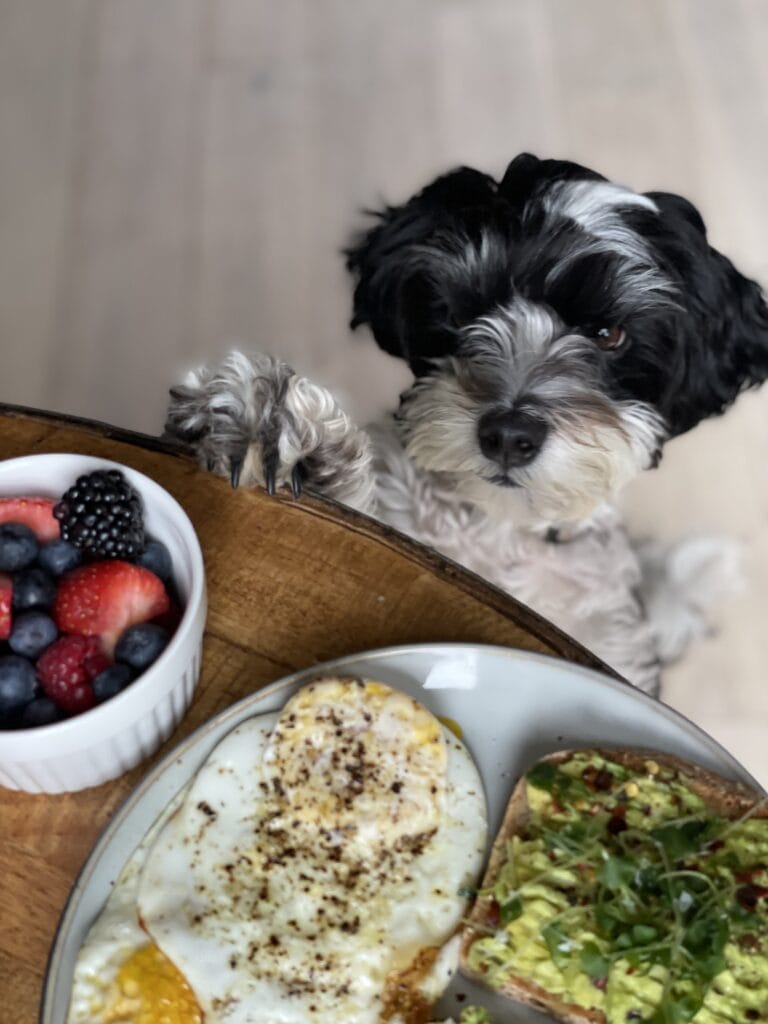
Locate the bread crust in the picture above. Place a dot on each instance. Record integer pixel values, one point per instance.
(726, 799)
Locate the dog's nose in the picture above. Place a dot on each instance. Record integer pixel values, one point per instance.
(511, 438)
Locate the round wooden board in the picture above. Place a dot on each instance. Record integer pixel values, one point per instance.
(290, 584)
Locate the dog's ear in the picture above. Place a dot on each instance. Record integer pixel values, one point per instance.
(429, 267)
(721, 332)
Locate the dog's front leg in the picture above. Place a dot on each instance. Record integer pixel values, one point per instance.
(251, 418)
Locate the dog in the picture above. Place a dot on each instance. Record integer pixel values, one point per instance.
(560, 328)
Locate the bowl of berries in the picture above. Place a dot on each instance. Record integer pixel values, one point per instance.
(102, 611)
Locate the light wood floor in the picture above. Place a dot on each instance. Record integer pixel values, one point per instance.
(179, 175)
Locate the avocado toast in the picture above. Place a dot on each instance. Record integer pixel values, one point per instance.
(627, 886)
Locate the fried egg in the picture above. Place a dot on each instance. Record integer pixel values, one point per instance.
(121, 976)
(310, 873)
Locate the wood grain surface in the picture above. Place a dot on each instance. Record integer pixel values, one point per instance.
(289, 585)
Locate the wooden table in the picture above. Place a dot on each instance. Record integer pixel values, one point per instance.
(289, 584)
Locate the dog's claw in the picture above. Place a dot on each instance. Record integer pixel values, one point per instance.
(270, 472)
(235, 466)
(297, 480)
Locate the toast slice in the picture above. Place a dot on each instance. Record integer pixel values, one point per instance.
(638, 773)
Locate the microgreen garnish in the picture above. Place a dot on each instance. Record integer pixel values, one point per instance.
(510, 911)
(616, 872)
(593, 962)
(680, 840)
(559, 945)
(549, 777)
(643, 884)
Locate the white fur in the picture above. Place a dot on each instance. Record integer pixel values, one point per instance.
(596, 207)
(587, 586)
(250, 405)
(592, 586)
(521, 354)
(681, 582)
(592, 204)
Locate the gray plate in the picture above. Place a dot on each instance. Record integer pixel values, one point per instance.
(512, 707)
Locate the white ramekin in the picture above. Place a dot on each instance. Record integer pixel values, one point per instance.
(113, 737)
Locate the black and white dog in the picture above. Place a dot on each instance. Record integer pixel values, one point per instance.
(560, 328)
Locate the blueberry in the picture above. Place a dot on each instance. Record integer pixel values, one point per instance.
(33, 588)
(157, 558)
(111, 681)
(17, 683)
(58, 557)
(18, 547)
(140, 645)
(32, 632)
(40, 711)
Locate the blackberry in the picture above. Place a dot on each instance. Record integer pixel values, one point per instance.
(101, 515)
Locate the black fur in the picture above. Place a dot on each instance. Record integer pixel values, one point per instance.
(467, 245)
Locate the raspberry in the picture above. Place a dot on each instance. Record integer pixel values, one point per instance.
(67, 668)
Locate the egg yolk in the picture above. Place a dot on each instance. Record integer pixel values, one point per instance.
(453, 725)
(150, 990)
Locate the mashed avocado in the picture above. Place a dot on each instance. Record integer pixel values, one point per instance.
(625, 894)
(474, 1015)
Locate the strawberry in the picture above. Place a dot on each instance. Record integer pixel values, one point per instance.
(68, 667)
(170, 619)
(6, 593)
(36, 513)
(104, 598)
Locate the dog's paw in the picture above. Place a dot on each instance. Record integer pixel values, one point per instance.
(254, 420)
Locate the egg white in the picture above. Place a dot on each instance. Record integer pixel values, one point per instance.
(117, 933)
(314, 938)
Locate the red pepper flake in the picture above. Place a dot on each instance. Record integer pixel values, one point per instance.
(616, 825)
(749, 874)
(630, 970)
(589, 775)
(604, 781)
(600, 983)
(494, 914)
(748, 895)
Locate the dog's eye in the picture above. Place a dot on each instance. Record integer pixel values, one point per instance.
(610, 338)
